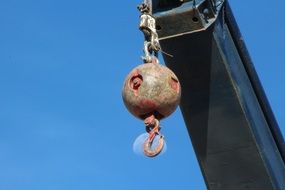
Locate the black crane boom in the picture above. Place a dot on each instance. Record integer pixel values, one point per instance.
(235, 136)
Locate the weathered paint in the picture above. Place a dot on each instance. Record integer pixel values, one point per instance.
(151, 89)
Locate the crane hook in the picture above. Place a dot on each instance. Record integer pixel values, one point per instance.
(153, 128)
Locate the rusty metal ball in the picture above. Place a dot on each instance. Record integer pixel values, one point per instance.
(151, 89)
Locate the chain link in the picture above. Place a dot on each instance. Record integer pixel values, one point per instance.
(148, 27)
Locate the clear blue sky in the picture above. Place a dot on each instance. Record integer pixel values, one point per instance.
(63, 125)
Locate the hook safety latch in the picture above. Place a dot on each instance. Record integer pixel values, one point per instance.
(153, 132)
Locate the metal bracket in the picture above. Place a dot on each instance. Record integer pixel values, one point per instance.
(189, 17)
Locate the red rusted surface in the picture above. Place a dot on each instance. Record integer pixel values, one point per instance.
(150, 120)
(174, 84)
(148, 150)
(135, 82)
(151, 89)
(148, 104)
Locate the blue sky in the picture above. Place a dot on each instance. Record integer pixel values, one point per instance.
(63, 125)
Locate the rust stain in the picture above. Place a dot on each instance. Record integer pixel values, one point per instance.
(146, 103)
(136, 81)
(174, 83)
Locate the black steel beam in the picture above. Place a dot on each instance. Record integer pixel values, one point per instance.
(260, 94)
(232, 128)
